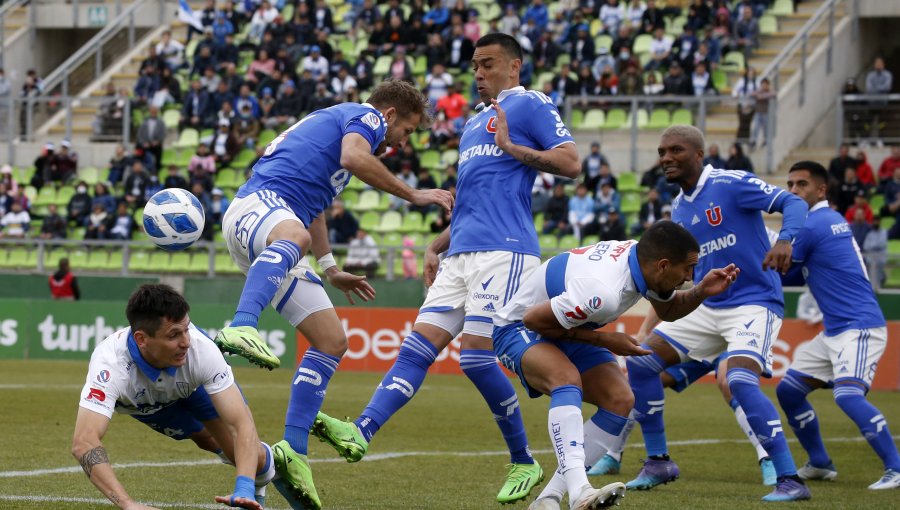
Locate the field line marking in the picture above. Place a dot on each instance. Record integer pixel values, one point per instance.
(98, 501)
(389, 455)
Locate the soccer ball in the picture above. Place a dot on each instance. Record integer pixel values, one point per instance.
(173, 219)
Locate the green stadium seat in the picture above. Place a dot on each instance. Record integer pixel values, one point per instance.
(893, 277)
(542, 78)
(603, 41)
(169, 157)
(89, 175)
(171, 118)
(52, 257)
(659, 119)
(179, 262)
(4, 258)
(876, 202)
(243, 159)
(548, 242)
(138, 260)
(160, 262)
(614, 119)
(63, 196)
(631, 202)
(189, 139)
(224, 264)
(430, 159)
(568, 242)
(350, 197)
(887, 222)
(675, 26)
(768, 24)
(577, 119)
(78, 259)
(539, 222)
(782, 8)
(390, 222)
(115, 260)
(720, 80)
(594, 119)
(392, 239)
(596, 27)
(426, 223)
(384, 202)
(894, 247)
(265, 137)
(683, 116)
(590, 240)
(46, 196)
(368, 201)
(412, 222)
(382, 66)
(22, 258)
(733, 61)
(642, 119)
(449, 157)
(627, 181)
(420, 67)
(77, 233)
(369, 221)
(641, 44)
(227, 178)
(199, 262)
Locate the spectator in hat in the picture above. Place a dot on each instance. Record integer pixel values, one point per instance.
(860, 203)
(219, 205)
(42, 166)
(64, 164)
(266, 104)
(224, 145)
(6, 177)
(316, 64)
(79, 206)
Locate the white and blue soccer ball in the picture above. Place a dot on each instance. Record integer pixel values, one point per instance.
(173, 219)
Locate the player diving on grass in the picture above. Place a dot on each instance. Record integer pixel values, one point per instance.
(490, 247)
(170, 376)
(723, 210)
(845, 355)
(546, 335)
(277, 216)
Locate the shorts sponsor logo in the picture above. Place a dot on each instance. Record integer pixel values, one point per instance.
(484, 295)
(489, 308)
(103, 376)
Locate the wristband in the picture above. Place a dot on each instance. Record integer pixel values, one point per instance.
(327, 261)
(244, 488)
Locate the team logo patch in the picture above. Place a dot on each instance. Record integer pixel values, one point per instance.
(103, 376)
(371, 119)
(491, 125)
(577, 314)
(184, 389)
(96, 394)
(714, 215)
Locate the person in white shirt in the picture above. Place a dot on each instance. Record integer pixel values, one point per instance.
(316, 64)
(437, 82)
(660, 50)
(169, 375)
(15, 223)
(343, 85)
(170, 50)
(548, 335)
(362, 256)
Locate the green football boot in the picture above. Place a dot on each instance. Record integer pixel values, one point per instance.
(246, 343)
(520, 479)
(343, 436)
(294, 477)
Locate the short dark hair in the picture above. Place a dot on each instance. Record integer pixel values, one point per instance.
(403, 96)
(507, 42)
(666, 240)
(816, 170)
(151, 303)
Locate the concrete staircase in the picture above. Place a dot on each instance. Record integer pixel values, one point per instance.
(15, 20)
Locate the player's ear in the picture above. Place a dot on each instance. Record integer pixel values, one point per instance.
(140, 337)
(390, 114)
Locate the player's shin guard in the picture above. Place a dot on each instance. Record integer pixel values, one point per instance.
(399, 385)
(602, 433)
(852, 400)
(649, 401)
(801, 416)
(263, 280)
(763, 418)
(564, 422)
(741, 418)
(480, 366)
(266, 472)
(307, 394)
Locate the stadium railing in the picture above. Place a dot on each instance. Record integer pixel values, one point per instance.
(24, 116)
(6, 8)
(869, 118)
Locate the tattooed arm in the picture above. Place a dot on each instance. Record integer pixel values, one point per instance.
(686, 301)
(90, 427)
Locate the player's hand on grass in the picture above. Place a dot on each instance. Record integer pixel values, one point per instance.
(621, 344)
(501, 137)
(442, 198)
(717, 281)
(779, 257)
(239, 502)
(430, 267)
(351, 284)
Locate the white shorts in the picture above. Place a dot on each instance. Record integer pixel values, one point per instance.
(246, 226)
(706, 332)
(848, 356)
(471, 287)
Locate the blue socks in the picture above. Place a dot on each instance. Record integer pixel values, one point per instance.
(762, 417)
(307, 394)
(791, 392)
(480, 366)
(649, 400)
(852, 400)
(263, 280)
(399, 385)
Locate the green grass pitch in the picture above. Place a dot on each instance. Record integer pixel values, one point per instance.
(440, 452)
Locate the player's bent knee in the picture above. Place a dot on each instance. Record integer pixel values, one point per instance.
(292, 231)
(744, 362)
(663, 349)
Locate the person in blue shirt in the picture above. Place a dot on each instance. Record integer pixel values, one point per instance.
(491, 247)
(845, 355)
(277, 217)
(723, 210)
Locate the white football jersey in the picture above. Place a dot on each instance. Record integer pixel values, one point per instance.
(120, 380)
(587, 287)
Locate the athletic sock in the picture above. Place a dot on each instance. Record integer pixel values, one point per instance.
(741, 418)
(801, 416)
(566, 428)
(263, 280)
(763, 418)
(852, 400)
(649, 400)
(307, 394)
(602, 432)
(480, 366)
(399, 384)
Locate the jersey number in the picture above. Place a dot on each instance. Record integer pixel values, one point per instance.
(280, 138)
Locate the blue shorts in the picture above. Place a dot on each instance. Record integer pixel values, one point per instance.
(511, 342)
(183, 418)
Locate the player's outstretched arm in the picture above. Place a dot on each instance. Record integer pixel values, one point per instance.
(357, 158)
(541, 319)
(684, 302)
(348, 283)
(561, 160)
(87, 448)
(235, 415)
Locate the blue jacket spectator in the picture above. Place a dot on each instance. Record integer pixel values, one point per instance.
(538, 12)
(222, 28)
(437, 17)
(246, 98)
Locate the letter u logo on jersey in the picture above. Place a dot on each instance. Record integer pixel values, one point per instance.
(491, 126)
(714, 215)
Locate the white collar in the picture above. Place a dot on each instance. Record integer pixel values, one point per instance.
(700, 182)
(819, 205)
(506, 93)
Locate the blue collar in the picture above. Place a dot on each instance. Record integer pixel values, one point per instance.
(150, 371)
(636, 273)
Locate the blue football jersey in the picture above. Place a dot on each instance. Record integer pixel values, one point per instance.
(724, 214)
(493, 191)
(303, 164)
(829, 259)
